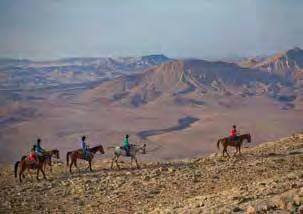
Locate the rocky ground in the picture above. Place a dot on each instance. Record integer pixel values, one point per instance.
(265, 179)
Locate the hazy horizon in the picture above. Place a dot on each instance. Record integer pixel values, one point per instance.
(208, 29)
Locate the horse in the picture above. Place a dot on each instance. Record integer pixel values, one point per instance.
(227, 141)
(26, 164)
(48, 158)
(133, 150)
(78, 154)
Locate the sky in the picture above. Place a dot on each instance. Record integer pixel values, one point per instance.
(209, 29)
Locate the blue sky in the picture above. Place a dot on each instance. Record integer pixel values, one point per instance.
(211, 29)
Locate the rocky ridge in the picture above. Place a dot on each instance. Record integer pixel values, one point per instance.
(265, 179)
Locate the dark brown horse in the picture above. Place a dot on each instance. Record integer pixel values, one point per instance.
(78, 154)
(227, 141)
(25, 164)
(48, 158)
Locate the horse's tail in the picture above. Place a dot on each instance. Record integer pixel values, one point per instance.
(67, 157)
(16, 168)
(218, 144)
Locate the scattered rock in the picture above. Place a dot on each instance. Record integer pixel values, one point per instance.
(280, 203)
(244, 184)
(297, 200)
(171, 170)
(251, 210)
(237, 209)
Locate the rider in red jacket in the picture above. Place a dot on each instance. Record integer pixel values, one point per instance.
(33, 155)
(233, 134)
(234, 131)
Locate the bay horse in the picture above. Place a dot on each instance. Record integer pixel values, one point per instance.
(227, 141)
(25, 164)
(48, 158)
(133, 150)
(78, 154)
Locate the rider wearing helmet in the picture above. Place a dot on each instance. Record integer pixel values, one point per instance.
(126, 144)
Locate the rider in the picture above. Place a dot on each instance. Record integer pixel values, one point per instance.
(126, 145)
(233, 134)
(39, 149)
(84, 147)
(33, 155)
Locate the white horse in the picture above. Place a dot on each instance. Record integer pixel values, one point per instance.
(133, 150)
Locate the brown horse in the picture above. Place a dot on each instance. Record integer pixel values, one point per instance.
(78, 154)
(227, 141)
(48, 158)
(25, 164)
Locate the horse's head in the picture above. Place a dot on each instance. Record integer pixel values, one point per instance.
(248, 138)
(55, 152)
(144, 149)
(100, 149)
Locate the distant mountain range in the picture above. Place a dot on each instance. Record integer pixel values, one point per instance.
(119, 64)
(180, 105)
(279, 77)
(26, 74)
(136, 81)
(288, 64)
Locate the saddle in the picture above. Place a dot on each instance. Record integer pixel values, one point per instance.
(234, 140)
(87, 156)
(127, 152)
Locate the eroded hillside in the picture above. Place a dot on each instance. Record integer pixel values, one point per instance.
(265, 179)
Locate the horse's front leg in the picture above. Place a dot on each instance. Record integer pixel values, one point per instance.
(117, 158)
(70, 167)
(90, 165)
(236, 151)
(50, 165)
(75, 163)
(113, 159)
(138, 167)
(38, 169)
(43, 173)
(44, 166)
(240, 150)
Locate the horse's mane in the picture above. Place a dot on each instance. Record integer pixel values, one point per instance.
(95, 147)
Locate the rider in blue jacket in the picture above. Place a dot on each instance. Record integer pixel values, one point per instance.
(39, 149)
(84, 147)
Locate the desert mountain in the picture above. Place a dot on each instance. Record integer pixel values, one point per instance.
(288, 64)
(26, 74)
(175, 102)
(184, 77)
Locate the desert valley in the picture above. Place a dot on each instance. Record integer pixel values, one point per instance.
(178, 107)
